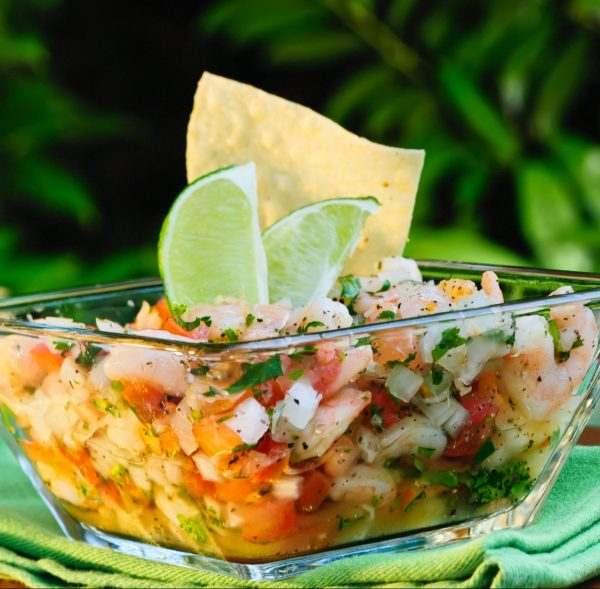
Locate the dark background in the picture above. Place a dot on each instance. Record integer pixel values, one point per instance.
(95, 97)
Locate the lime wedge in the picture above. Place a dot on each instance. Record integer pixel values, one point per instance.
(210, 243)
(307, 249)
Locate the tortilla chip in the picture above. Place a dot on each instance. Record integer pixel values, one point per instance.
(302, 157)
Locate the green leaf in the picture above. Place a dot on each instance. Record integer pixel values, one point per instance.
(476, 111)
(311, 48)
(450, 339)
(458, 244)
(559, 88)
(256, 374)
(549, 216)
(56, 190)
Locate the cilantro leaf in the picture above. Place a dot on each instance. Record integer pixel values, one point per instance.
(88, 355)
(256, 374)
(63, 347)
(231, 335)
(250, 319)
(487, 449)
(512, 480)
(450, 339)
(363, 341)
(350, 286)
(177, 311)
(200, 370)
(309, 325)
(405, 362)
(386, 315)
(447, 478)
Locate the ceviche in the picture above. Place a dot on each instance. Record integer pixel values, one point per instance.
(256, 457)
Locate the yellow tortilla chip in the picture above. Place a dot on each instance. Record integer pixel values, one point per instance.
(303, 157)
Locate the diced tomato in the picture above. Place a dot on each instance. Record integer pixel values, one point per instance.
(45, 358)
(110, 490)
(267, 445)
(315, 488)
(162, 307)
(196, 486)
(271, 393)
(214, 437)
(235, 490)
(482, 405)
(324, 374)
(83, 461)
(469, 440)
(390, 409)
(146, 399)
(268, 520)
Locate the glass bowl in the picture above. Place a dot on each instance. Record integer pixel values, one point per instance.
(105, 460)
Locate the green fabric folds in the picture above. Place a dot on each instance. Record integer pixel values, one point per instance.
(560, 549)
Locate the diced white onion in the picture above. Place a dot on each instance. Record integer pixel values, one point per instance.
(250, 421)
(403, 383)
(181, 422)
(300, 404)
(109, 326)
(397, 269)
(448, 414)
(531, 331)
(454, 359)
(206, 468)
(287, 488)
(368, 443)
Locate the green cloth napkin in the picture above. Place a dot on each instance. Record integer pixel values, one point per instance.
(562, 548)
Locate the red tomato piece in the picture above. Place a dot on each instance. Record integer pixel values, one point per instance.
(315, 488)
(45, 358)
(268, 520)
(146, 400)
(390, 409)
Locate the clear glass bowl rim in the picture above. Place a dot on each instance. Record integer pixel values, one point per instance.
(37, 328)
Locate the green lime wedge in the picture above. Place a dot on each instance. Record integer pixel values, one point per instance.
(210, 243)
(307, 249)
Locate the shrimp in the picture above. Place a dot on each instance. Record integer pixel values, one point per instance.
(533, 378)
(364, 484)
(329, 314)
(490, 286)
(407, 299)
(331, 420)
(268, 320)
(355, 361)
(410, 434)
(162, 369)
(342, 456)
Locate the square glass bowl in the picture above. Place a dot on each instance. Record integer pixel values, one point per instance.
(127, 466)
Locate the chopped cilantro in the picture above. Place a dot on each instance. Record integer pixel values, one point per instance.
(487, 449)
(350, 289)
(212, 392)
(88, 355)
(116, 385)
(305, 351)
(363, 341)
(200, 370)
(63, 347)
(310, 325)
(418, 464)
(561, 354)
(231, 335)
(296, 374)
(578, 341)
(450, 339)
(250, 319)
(243, 447)
(427, 452)
(193, 527)
(177, 311)
(386, 315)
(405, 362)
(447, 478)
(512, 480)
(376, 418)
(206, 320)
(412, 503)
(346, 522)
(256, 374)
(437, 374)
(385, 286)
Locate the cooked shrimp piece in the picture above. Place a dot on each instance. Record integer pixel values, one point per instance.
(409, 434)
(161, 369)
(534, 378)
(266, 320)
(147, 318)
(407, 299)
(17, 368)
(456, 288)
(327, 313)
(491, 287)
(342, 456)
(397, 345)
(355, 361)
(392, 270)
(332, 419)
(364, 484)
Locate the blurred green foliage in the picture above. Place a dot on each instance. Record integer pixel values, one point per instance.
(37, 118)
(501, 94)
(487, 88)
